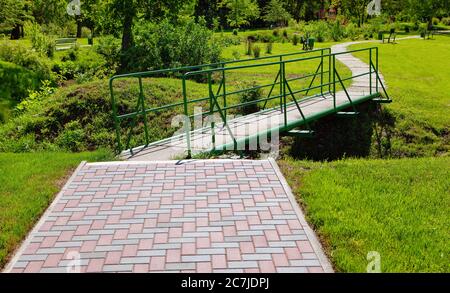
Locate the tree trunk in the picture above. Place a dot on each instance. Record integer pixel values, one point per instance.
(15, 33)
(127, 38)
(79, 27)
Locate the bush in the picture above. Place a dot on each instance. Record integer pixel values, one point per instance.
(276, 32)
(249, 46)
(435, 21)
(252, 93)
(445, 21)
(165, 45)
(256, 51)
(16, 81)
(20, 55)
(336, 31)
(295, 39)
(42, 43)
(269, 47)
(352, 32)
(78, 117)
(236, 55)
(285, 33)
(235, 32)
(109, 47)
(85, 32)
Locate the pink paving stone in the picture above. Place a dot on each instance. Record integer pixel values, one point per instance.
(276, 210)
(88, 246)
(136, 228)
(272, 235)
(160, 238)
(203, 242)
(32, 248)
(105, 239)
(66, 235)
(173, 255)
(113, 219)
(241, 225)
(225, 212)
(52, 260)
(283, 229)
(140, 210)
(163, 218)
(82, 230)
(202, 222)
(49, 241)
(247, 247)
(260, 241)
(280, 260)
(91, 211)
(233, 254)
(237, 207)
(176, 213)
(150, 223)
(34, 267)
(315, 269)
(175, 232)
(121, 234)
(292, 253)
(253, 220)
(229, 231)
(106, 206)
(189, 226)
(214, 217)
(189, 208)
(294, 224)
(141, 268)
(265, 215)
(219, 261)
(98, 224)
(252, 271)
(113, 257)
(95, 265)
(166, 200)
(145, 244)
(204, 267)
(128, 214)
(216, 236)
(266, 266)
(130, 250)
(188, 249)
(61, 221)
(157, 263)
(304, 246)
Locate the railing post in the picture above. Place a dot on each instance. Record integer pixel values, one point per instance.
(116, 120)
(376, 67)
(329, 72)
(224, 93)
(211, 110)
(187, 121)
(284, 93)
(281, 83)
(321, 72)
(370, 70)
(334, 81)
(144, 113)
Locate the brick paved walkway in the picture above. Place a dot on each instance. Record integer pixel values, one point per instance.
(190, 216)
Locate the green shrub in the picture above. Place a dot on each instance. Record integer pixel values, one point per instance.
(235, 32)
(445, 20)
(78, 117)
(336, 31)
(109, 47)
(85, 32)
(236, 55)
(295, 39)
(352, 32)
(165, 45)
(285, 33)
(16, 81)
(276, 32)
(256, 51)
(41, 42)
(435, 21)
(248, 48)
(269, 47)
(44, 92)
(252, 93)
(19, 54)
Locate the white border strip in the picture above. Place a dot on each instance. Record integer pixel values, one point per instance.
(326, 265)
(179, 162)
(44, 217)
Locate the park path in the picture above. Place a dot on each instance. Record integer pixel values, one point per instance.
(176, 216)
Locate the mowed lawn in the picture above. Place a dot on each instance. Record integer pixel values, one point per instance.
(399, 208)
(28, 183)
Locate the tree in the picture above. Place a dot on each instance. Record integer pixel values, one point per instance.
(240, 11)
(303, 9)
(13, 14)
(276, 13)
(426, 10)
(356, 9)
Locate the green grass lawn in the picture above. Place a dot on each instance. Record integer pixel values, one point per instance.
(399, 208)
(418, 78)
(28, 183)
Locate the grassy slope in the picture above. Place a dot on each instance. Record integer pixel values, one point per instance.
(28, 183)
(417, 74)
(399, 208)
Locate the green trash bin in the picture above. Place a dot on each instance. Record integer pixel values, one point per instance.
(311, 43)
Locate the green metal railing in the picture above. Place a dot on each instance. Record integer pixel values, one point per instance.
(218, 100)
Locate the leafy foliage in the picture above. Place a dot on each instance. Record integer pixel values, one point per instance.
(240, 12)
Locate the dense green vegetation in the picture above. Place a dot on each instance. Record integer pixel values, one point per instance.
(417, 75)
(28, 184)
(398, 208)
